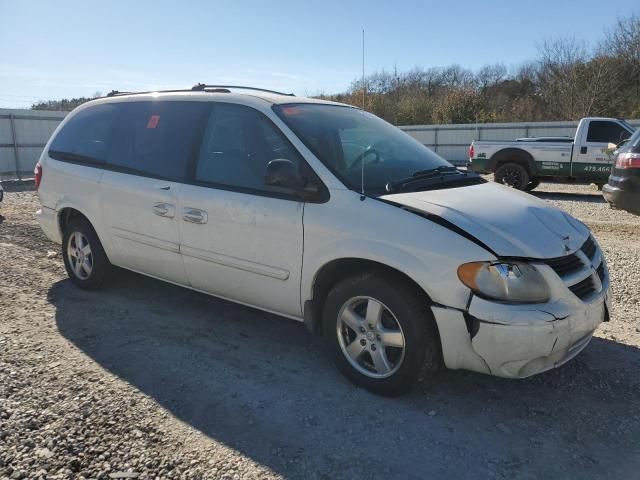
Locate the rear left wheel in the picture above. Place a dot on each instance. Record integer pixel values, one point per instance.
(83, 255)
(533, 183)
(512, 175)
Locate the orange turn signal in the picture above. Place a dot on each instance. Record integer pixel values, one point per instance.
(468, 273)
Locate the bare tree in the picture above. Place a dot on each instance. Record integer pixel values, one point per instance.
(623, 43)
(572, 83)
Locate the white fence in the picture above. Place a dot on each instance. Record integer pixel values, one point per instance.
(23, 134)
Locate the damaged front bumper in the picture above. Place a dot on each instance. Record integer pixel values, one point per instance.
(516, 341)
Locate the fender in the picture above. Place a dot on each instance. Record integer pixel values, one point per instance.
(516, 155)
(69, 201)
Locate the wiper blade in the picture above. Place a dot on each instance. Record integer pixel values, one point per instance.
(433, 171)
(428, 176)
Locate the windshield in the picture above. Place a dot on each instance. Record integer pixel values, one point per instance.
(344, 138)
(634, 141)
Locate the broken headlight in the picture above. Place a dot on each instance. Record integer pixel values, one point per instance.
(516, 282)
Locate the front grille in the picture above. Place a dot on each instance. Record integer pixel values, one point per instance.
(601, 272)
(570, 266)
(589, 248)
(565, 265)
(584, 288)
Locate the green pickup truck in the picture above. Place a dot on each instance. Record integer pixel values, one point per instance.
(525, 162)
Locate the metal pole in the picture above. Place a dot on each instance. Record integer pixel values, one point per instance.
(15, 145)
(435, 140)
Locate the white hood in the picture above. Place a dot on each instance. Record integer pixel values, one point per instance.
(511, 223)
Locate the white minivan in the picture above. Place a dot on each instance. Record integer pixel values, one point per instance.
(326, 214)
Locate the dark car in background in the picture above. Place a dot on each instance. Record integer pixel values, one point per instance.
(623, 188)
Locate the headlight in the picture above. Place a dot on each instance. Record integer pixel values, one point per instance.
(516, 282)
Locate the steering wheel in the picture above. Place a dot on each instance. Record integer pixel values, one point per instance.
(368, 151)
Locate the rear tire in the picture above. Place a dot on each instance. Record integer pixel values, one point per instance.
(84, 258)
(533, 184)
(512, 175)
(381, 332)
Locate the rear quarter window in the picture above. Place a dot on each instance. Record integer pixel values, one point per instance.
(85, 137)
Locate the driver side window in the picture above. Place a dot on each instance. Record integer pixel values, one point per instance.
(606, 132)
(237, 145)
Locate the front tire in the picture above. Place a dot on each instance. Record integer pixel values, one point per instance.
(381, 333)
(512, 175)
(84, 258)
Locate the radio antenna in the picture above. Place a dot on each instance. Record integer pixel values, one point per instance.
(362, 196)
(363, 83)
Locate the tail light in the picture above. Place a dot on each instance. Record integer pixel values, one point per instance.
(628, 160)
(37, 175)
(472, 151)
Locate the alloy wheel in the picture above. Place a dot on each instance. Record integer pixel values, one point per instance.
(80, 255)
(370, 337)
(511, 177)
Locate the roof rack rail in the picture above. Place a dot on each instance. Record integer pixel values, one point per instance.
(201, 87)
(115, 93)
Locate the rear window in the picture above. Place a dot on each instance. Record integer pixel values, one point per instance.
(156, 138)
(84, 138)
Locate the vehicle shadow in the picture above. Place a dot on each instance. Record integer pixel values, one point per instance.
(264, 386)
(595, 197)
(18, 186)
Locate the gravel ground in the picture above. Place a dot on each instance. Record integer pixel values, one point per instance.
(148, 380)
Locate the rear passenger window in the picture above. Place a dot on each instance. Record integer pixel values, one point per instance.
(606, 132)
(156, 139)
(84, 138)
(238, 144)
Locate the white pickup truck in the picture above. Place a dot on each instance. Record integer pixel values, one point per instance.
(525, 162)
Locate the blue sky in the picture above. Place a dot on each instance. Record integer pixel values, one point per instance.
(55, 49)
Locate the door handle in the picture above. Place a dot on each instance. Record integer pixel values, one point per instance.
(164, 210)
(194, 215)
(583, 150)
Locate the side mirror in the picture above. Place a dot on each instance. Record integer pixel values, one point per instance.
(283, 173)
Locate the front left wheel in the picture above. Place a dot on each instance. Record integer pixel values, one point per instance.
(84, 258)
(381, 333)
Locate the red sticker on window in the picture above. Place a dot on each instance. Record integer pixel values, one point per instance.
(153, 121)
(291, 111)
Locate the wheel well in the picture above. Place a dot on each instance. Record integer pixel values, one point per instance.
(336, 270)
(514, 155)
(66, 215)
